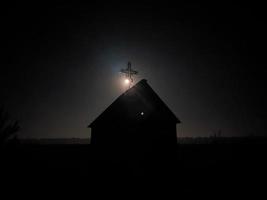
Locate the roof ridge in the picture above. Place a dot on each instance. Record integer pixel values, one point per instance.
(138, 87)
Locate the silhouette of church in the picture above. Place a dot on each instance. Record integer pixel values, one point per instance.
(137, 118)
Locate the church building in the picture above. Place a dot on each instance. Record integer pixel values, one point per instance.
(136, 119)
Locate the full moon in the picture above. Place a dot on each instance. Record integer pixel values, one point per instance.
(127, 81)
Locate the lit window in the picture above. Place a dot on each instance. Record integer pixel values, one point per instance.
(142, 113)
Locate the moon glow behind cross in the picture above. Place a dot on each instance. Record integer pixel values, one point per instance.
(129, 72)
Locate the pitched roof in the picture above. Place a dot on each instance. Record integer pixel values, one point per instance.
(141, 97)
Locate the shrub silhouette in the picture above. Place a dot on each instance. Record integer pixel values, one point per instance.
(8, 128)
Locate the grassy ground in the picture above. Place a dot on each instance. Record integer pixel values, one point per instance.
(214, 167)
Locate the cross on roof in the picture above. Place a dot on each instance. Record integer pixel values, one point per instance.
(129, 72)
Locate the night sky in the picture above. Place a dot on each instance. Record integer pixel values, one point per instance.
(60, 64)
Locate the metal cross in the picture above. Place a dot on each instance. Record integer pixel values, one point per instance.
(129, 73)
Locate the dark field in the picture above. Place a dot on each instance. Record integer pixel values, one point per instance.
(219, 167)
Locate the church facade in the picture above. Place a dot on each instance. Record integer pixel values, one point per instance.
(136, 119)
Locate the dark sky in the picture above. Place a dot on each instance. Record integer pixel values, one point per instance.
(60, 63)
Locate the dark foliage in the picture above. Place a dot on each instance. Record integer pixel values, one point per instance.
(8, 128)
